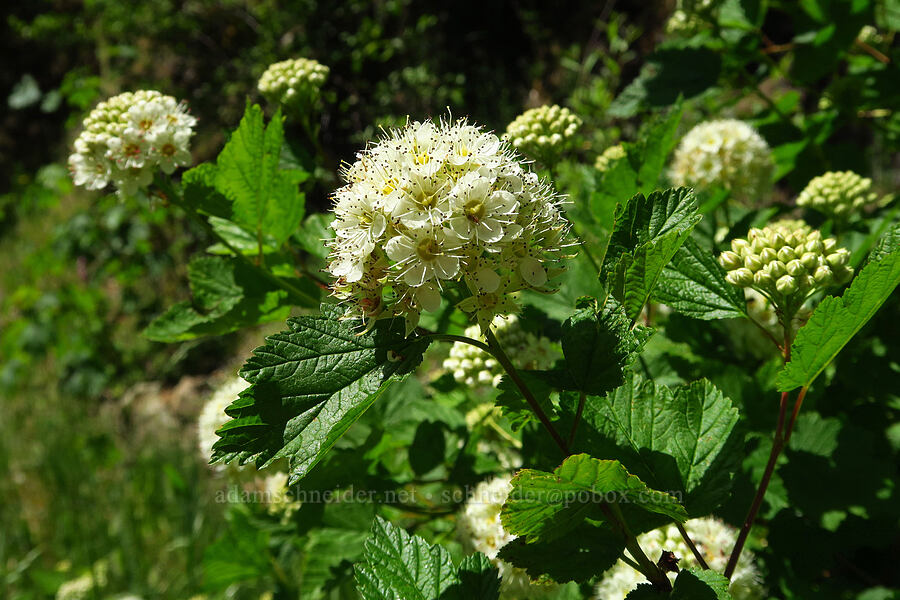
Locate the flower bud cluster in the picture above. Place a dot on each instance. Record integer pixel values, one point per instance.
(295, 81)
(475, 368)
(543, 132)
(480, 530)
(437, 205)
(129, 137)
(714, 540)
(837, 193)
(611, 154)
(786, 262)
(726, 153)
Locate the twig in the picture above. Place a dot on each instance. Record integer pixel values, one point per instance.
(687, 540)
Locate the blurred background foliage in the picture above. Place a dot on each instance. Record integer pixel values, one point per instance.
(97, 441)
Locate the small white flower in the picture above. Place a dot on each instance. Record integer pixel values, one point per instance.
(424, 253)
(213, 416)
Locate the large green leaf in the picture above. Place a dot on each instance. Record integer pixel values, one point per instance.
(398, 565)
(694, 285)
(310, 383)
(546, 506)
(700, 584)
(836, 320)
(584, 552)
(679, 440)
(647, 233)
(240, 554)
(228, 295)
(669, 72)
(599, 345)
(265, 198)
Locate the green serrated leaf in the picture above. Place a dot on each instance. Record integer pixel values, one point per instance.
(889, 242)
(514, 407)
(694, 284)
(599, 345)
(836, 320)
(647, 233)
(228, 295)
(239, 555)
(398, 565)
(265, 198)
(310, 383)
(199, 189)
(584, 552)
(546, 506)
(655, 142)
(478, 578)
(700, 584)
(679, 440)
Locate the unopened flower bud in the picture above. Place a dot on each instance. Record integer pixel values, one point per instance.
(823, 275)
(839, 258)
(795, 268)
(786, 254)
(730, 260)
(753, 263)
(810, 260)
(786, 285)
(777, 269)
(767, 255)
(742, 277)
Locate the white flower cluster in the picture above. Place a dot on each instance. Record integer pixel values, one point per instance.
(430, 205)
(213, 416)
(727, 153)
(611, 154)
(837, 193)
(714, 540)
(480, 529)
(295, 81)
(544, 132)
(129, 137)
(475, 368)
(786, 262)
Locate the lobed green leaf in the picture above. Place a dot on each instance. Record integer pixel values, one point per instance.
(310, 384)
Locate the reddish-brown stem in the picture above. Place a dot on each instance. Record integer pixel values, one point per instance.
(797, 404)
(777, 445)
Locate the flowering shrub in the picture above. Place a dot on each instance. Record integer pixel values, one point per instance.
(503, 379)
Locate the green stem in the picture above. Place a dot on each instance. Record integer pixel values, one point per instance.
(581, 400)
(174, 196)
(652, 572)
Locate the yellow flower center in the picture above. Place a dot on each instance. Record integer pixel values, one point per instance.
(428, 249)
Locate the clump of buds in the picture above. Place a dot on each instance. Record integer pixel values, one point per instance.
(786, 262)
(837, 193)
